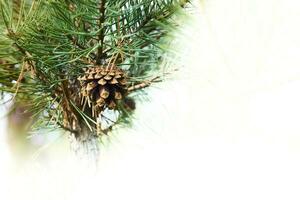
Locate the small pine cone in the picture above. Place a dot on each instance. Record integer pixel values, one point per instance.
(102, 87)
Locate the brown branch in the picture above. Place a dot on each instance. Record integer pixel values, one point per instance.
(67, 128)
(69, 113)
(63, 126)
(147, 83)
(143, 84)
(101, 35)
(16, 9)
(20, 78)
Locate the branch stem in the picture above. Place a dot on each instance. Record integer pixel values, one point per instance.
(147, 83)
(101, 33)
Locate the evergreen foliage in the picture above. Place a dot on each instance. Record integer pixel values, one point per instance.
(45, 45)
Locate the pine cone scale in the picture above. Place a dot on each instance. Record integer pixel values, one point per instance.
(103, 87)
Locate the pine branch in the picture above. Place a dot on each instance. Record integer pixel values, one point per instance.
(61, 42)
(102, 31)
(67, 128)
(147, 83)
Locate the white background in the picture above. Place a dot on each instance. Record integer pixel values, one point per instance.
(226, 128)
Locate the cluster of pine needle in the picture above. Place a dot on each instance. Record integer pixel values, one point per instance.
(69, 61)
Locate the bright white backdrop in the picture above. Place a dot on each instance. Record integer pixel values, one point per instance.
(226, 128)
